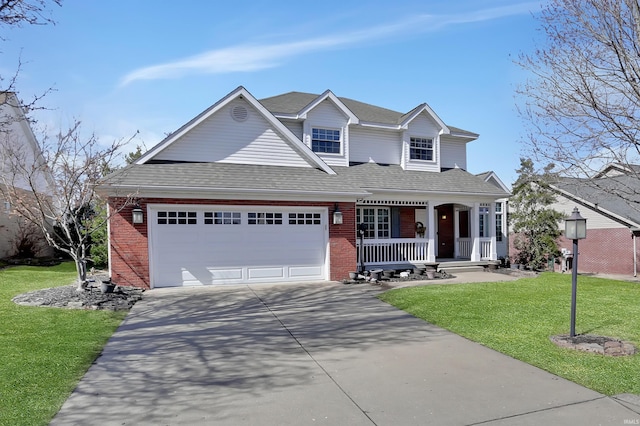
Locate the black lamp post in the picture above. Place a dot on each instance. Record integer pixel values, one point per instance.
(575, 228)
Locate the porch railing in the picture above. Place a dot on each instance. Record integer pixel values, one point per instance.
(465, 246)
(485, 248)
(395, 250)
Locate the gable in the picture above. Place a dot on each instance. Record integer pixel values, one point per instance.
(18, 145)
(425, 126)
(237, 133)
(262, 140)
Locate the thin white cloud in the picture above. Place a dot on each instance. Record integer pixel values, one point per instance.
(254, 57)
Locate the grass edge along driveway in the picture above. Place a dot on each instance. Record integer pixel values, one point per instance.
(44, 351)
(518, 317)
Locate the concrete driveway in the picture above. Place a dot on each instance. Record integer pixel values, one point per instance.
(312, 354)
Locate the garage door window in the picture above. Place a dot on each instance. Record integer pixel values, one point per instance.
(177, 218)
(264, 218)
(222, 218)
(304, 219)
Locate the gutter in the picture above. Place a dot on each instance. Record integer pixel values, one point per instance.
(113, 191)
(418, 191)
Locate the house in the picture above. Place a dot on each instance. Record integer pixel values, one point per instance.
(17, 236)
(613, 224)
(300, 187)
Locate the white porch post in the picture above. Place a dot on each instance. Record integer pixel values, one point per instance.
(475, 233)
(456, 233)
(492, 221)
(431, 233)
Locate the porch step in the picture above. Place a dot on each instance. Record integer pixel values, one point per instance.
(451, 269)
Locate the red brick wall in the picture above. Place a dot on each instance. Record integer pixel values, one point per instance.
(604, 251)
(408, 222)
(130, 249)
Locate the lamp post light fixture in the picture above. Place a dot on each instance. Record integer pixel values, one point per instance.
(337, 215)
(136, 214)
(575, 228)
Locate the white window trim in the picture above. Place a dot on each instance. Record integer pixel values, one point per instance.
(331, 154)
(376, 223)
(433, 149)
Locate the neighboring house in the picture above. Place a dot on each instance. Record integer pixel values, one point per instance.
(613, 224)
(16, 138)
(275, 190)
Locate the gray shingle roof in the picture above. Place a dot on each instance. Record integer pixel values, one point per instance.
(355, 180)
(210, 176)
(294, 102)
(374, 176)
(619, 195)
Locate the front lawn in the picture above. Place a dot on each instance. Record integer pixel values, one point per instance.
(44, 351)
(518, 317)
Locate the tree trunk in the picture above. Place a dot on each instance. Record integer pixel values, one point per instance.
(81, 269)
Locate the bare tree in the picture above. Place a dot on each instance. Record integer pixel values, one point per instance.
(55, 190)
(32, 12)
(582, 101)
(16, 13)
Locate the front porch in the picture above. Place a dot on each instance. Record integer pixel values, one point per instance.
(406, 253)
(402, 235)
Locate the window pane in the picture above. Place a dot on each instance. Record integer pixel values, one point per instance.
(325, 140)
(421, 149)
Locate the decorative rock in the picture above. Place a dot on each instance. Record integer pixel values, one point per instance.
(90, 298)
(595, 344)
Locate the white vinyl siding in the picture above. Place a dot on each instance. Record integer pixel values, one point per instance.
(422, 127)
(294, 126)
(452, 153)
(327, 116)
(222, 139)
(379, 146)
(595, 220)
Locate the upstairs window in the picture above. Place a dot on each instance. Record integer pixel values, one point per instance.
(325, 141)
(421, 149)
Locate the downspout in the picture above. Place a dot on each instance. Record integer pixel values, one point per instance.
(635, 254)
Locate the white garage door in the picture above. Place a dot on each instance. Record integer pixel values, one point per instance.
(200, 245)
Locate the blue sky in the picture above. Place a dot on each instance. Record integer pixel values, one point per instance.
(126, 65)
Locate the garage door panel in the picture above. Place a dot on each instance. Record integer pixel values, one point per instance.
(216, 253)
(304, 271)
(259, 274)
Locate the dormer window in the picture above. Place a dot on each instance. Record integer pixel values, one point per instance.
(421, 149)
(325, 141)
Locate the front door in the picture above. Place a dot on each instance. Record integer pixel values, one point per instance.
(446, 234)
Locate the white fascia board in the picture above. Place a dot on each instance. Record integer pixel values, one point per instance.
(328, 94)
(595, 207)
(612, 166)
(287, 116)
(448, 193)
(238, 93)
(466, 137)
(380, 125)
(493, 175)
(426, 108)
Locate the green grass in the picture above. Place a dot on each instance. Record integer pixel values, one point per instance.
(518, 317)
(44, 351)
